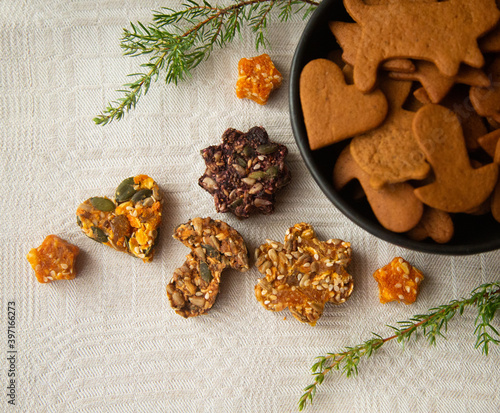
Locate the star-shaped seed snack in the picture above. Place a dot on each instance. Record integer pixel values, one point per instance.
(53, 260)
(398, 281)
(257, 78)
(303, 273)
(244, 172)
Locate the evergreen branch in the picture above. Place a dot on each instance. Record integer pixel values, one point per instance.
(179, 40)
(433, 324)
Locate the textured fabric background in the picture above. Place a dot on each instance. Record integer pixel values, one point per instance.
(108, 341)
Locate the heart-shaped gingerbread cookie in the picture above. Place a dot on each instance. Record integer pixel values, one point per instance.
(129, 222)
(334, 110)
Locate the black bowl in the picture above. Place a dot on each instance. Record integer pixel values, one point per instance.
(473, 234)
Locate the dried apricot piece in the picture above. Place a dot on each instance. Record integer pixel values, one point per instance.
(53, 260)
(257, 77)
(303, 273)
(398, 281)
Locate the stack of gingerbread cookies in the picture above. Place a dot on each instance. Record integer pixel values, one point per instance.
(415, 89)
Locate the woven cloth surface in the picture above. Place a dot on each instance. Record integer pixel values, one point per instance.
(109, 341)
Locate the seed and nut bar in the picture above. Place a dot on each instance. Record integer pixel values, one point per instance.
(54, 259)
(244, 172)
(257, 78)
(398, 281)
(129, 222)
(303, 274)
(214, 246)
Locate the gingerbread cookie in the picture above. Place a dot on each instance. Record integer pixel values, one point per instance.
(489, 142)
(436, 84)
(486, 99)
(444, 33)
(435, 224)
(333, 110)
(490, 43)
(348, 36)
(495, 199)
(390, 153)
(457, 186)
(395, 206)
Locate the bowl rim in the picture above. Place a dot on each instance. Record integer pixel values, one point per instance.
(298, 129)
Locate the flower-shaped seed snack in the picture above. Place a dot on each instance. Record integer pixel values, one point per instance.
(303, 273)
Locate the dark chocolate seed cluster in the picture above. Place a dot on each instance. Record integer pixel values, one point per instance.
(244, 172)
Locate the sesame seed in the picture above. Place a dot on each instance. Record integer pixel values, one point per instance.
(398, 285)
(316, 256)
(267, 302)
(280, 277)
(401, 296)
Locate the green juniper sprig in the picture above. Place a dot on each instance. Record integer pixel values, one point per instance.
(178, 41)
(486, 298)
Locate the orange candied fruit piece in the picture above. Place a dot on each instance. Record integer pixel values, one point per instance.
(257, 77)
(398, 281)
(54, 259)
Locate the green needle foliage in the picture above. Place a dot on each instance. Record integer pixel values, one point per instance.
(434, 324)
(178, 41)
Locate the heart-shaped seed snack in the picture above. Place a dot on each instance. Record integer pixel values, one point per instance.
(129, 222)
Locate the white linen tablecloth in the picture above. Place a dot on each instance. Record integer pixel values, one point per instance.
(109, 341)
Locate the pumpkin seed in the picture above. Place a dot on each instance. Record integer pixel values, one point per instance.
(272, 172)
(125, 190)
(142, 194)
(211, 251)
(99, 235)
(236, 203)
(205, 273)
(241, 162)
(248, 151)
(78, 221)
(267, 148)
(257, 175)
(102, 204)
